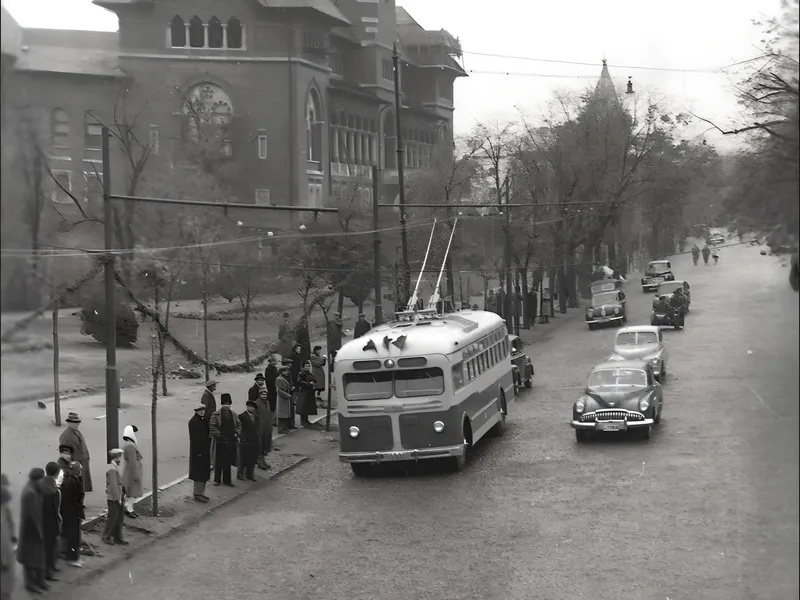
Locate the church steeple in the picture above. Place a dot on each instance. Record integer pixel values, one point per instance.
(605, 86)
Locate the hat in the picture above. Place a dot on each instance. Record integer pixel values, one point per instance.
(251, 403)
(116, 452)
(200, 407)
(36, 473)
(225, 399)
(130, 433)
(361, 315)
(73, 418)
(259, 376)
(211, 382)
(65, 448)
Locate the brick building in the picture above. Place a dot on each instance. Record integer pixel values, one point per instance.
(294, 98)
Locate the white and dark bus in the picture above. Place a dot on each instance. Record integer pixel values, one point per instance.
(423, 386)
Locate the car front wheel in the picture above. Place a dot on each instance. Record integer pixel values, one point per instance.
(360, 469)
(644, 432)
(582, 436)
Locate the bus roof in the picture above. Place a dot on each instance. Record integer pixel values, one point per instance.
(444, 334)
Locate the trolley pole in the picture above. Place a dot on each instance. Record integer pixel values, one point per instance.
(508, 304)
(401, 175)
(112, 381)
(376, 244)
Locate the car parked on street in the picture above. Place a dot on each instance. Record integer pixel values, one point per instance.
(521, 363)
(656, 272)
(620, 396)
(642, 342)
(607, 304)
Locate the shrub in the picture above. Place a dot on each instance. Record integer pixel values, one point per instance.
(93, 322)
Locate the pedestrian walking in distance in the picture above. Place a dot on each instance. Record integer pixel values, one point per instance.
(132, 470)
(225, 430)
(211, 407)
(318, 368)
(306, 403)
(8, 539)
(199, 452)
(73, 438)
(362, 326)
(115, 498)
(30, 551)
(258, 393)
(284, 390)
(248, 442)
(72, 512)
(51, 519)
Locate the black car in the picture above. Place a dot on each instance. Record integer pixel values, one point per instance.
(671, 304)
(522, 365)
(620, 396)
(656, 272)
(607, 305)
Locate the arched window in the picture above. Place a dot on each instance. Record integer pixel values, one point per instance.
(313, 128)
(235, 36)
(177, 30)
(59, 127)
(209, 113)
(215, 33)
(197, 32)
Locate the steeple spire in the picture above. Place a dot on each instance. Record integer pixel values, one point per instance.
(605, 91)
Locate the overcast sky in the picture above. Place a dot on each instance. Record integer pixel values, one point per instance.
(684, 35)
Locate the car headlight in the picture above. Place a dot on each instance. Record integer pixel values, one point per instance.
(438, 427)
(653, 360)
(354, 431)
(580, 405)
(589, 311)
(616, 310)
(644, 403)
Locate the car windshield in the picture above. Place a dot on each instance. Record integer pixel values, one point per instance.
(636, 338)
(607, 378)
(653, 268)
(604, 298)
(382, 385)
(670, 288)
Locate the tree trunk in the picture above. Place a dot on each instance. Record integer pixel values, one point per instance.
(526, 299)
(340, 302)
(161, 361)
(56, 386)
(573, 292)
(552, 283)
(246, 326)
(563, 289)
(205, 320)
(586, 272)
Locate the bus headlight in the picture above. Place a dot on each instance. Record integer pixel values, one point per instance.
(438, 427)
(354, 431)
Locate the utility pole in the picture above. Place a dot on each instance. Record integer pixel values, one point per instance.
(400, 175)
(112, 381)
(507, 305)
(376, 244)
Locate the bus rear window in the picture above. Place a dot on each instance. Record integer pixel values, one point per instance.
(418, 382)
(368, 386)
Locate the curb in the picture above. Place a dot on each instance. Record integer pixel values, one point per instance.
(100, 570)
(90, 523)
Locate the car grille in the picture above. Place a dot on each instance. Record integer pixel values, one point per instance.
(612, 415)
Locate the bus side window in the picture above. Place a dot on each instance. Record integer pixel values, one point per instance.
(458, 376)
(470, 370)
(481, 367)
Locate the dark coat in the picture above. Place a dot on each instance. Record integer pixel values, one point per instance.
(210, 402)
(297, 366)
(248, 442)
(30, 551)
(362, 327)
(199, 449)
(73, 437)
(304, 340)
(72, 495)
(334, 337)
(51, 508)
(270, 376)
(318, 368)
(306, 403)
(8, 538)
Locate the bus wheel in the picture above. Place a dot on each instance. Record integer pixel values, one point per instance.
(360, 469)
(458, 463)
(499, 428)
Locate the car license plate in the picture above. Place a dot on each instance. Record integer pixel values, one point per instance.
(657, 280)
(612, 426)
(392, 456)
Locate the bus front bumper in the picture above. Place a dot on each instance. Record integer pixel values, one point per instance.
(394, 456)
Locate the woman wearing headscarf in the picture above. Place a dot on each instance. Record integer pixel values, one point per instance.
(132, 473)
(72, 512)
(51, 518)
(8, 539)
(30, 552)
(306, 405)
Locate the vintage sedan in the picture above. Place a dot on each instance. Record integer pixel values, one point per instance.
(620, 396)
(671, 305)
(642, 342)
(521, 363)
(607, 305)
(668, 288)
(656, 272)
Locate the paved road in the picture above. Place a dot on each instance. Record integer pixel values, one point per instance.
(707, 509)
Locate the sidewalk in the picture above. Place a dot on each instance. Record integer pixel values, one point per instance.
(30, 437)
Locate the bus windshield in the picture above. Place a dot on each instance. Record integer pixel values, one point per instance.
(382, 385)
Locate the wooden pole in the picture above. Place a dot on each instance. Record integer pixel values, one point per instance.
(153, 415)
(330, 392)
(56, 387)
(112, 381)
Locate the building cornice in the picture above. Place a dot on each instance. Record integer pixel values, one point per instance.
(230, 59)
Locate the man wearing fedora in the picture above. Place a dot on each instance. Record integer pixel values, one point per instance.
(210, 403)
(199, 452)
(284, 407)
(73, 437)
(248, 442)
(225, 429)
(260, 395)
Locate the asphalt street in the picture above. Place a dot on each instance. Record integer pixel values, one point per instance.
(706, 509)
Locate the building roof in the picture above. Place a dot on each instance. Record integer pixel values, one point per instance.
(605, 90)
(70, 51)
(411, 34)
(11, 34)
(324, 7)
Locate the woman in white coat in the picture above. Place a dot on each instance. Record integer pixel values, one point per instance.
(132, 473)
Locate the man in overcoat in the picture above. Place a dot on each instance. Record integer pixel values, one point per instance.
(270, 376)
(225, 429)
(72, 512)
(362, 326)
(51, 518)
(334, 338)
(73, 437)
(30, 552)
(284, 390)
(115, 499)
(199, 452)
(248, 442)
(8, 538)
(211, 407)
